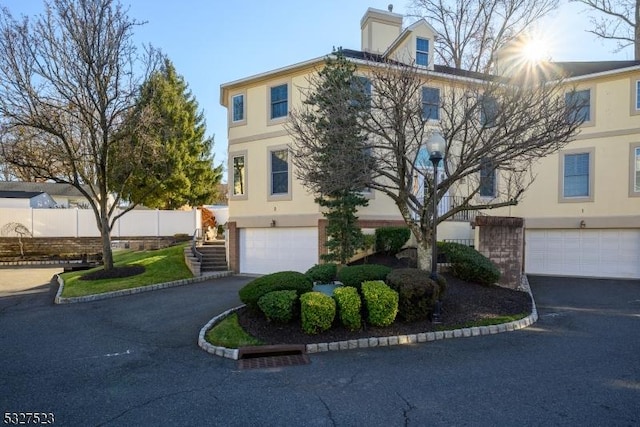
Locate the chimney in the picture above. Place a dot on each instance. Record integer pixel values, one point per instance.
(380, 28)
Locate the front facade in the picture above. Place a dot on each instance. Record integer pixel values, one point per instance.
(584, 197)
(582, 214)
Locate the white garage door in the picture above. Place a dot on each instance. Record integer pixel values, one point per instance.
(588, 253)
(267, 250)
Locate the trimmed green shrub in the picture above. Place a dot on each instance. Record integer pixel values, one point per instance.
(317, 311)
(323, 273)
(279, 306)
(391, 239)
(281, 281)
(468, 264)
(417, 293)
(381, 302)
(349, 306)
(354, 275)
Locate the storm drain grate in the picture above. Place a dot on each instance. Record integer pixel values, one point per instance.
(274, 361)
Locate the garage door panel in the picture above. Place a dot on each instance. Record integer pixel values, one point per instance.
(267, 250)
(590, 253)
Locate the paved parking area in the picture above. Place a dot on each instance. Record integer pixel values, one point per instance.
(25, 280)
(135, 361)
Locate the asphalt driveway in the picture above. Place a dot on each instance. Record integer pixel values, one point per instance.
(135, 361)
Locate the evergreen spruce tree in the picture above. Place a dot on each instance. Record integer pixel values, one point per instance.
(186, 175)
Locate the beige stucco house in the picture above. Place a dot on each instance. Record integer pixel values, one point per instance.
(581, 214)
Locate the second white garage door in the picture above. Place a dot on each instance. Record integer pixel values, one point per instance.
(586, 253)
(267, 250)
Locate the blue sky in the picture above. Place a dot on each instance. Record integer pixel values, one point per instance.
(213, 42)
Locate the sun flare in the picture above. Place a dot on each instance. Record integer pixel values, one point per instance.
(535, 50)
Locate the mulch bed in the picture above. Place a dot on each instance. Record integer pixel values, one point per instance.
(114, 273)
(463, 303)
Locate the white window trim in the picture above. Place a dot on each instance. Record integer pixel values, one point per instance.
(592, 104)
(281, 196)
(592, 161)
(278, 120)
(242, 122)
(634, 107)
(231, 177)
(632, 169)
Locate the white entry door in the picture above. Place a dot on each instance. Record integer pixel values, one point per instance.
(585, 253)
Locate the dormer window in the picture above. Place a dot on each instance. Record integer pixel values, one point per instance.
(422, 52)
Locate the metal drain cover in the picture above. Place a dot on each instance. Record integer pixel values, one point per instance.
(274, 361)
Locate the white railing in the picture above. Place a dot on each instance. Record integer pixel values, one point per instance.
(82, 222)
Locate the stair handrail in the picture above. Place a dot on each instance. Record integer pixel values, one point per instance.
(197, 236)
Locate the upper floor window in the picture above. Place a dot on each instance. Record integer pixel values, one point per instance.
(488, 111)
(422, 52)
(362, 88)
(637, 95)
(430, 103)
(579, 105)
(279, 101)
(239, 175)
(576, 179)
(237, 102)
(487, 179)
(634, 170)
(279, 172)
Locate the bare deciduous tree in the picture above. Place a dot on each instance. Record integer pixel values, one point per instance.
(16, 229)
(495, 130)
(471, 32)
(617, 20)
(68, 82)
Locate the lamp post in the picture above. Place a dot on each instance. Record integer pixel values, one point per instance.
(436, 146)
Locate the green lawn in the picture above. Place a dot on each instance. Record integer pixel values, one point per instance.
(163, 265)
(228, 333)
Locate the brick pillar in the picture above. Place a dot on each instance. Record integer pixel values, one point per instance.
(322, 239)
(501, 239)
(233, 236)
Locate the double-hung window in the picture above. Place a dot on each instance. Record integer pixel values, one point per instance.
(361, 89)
(487, 179)
(488, 111)
(634, 170)
(422, 52)
(239, 175)
(578, 106)
(637, 95)
(576, 175)
(237, 103)
(279, 180)
(279, 100)
(430, 103)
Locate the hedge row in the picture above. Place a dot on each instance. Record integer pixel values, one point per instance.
(468, 264)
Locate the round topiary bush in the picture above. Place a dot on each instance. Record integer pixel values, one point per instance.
(417, 293)
(279, 306)
(317, 311)
(354, 275)
(381, 302)
(323, 273)
(281, 281)
(349, 307)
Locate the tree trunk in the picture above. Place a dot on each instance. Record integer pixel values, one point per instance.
(105, 234)
(424, 255)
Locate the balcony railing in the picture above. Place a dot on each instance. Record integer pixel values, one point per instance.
(448, 202)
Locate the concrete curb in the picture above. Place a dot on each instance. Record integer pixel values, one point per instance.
(232, 353)
(73, 300)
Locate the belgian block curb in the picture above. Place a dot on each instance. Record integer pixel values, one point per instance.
(232, 353)
(72, 300)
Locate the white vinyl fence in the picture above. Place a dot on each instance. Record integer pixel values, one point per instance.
(82, 222)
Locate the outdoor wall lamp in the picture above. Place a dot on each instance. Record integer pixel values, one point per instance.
(436, 146)
(273, 222)
(583, 224)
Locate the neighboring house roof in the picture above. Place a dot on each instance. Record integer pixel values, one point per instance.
(575, 69)
(51, 188)
(19, 194)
